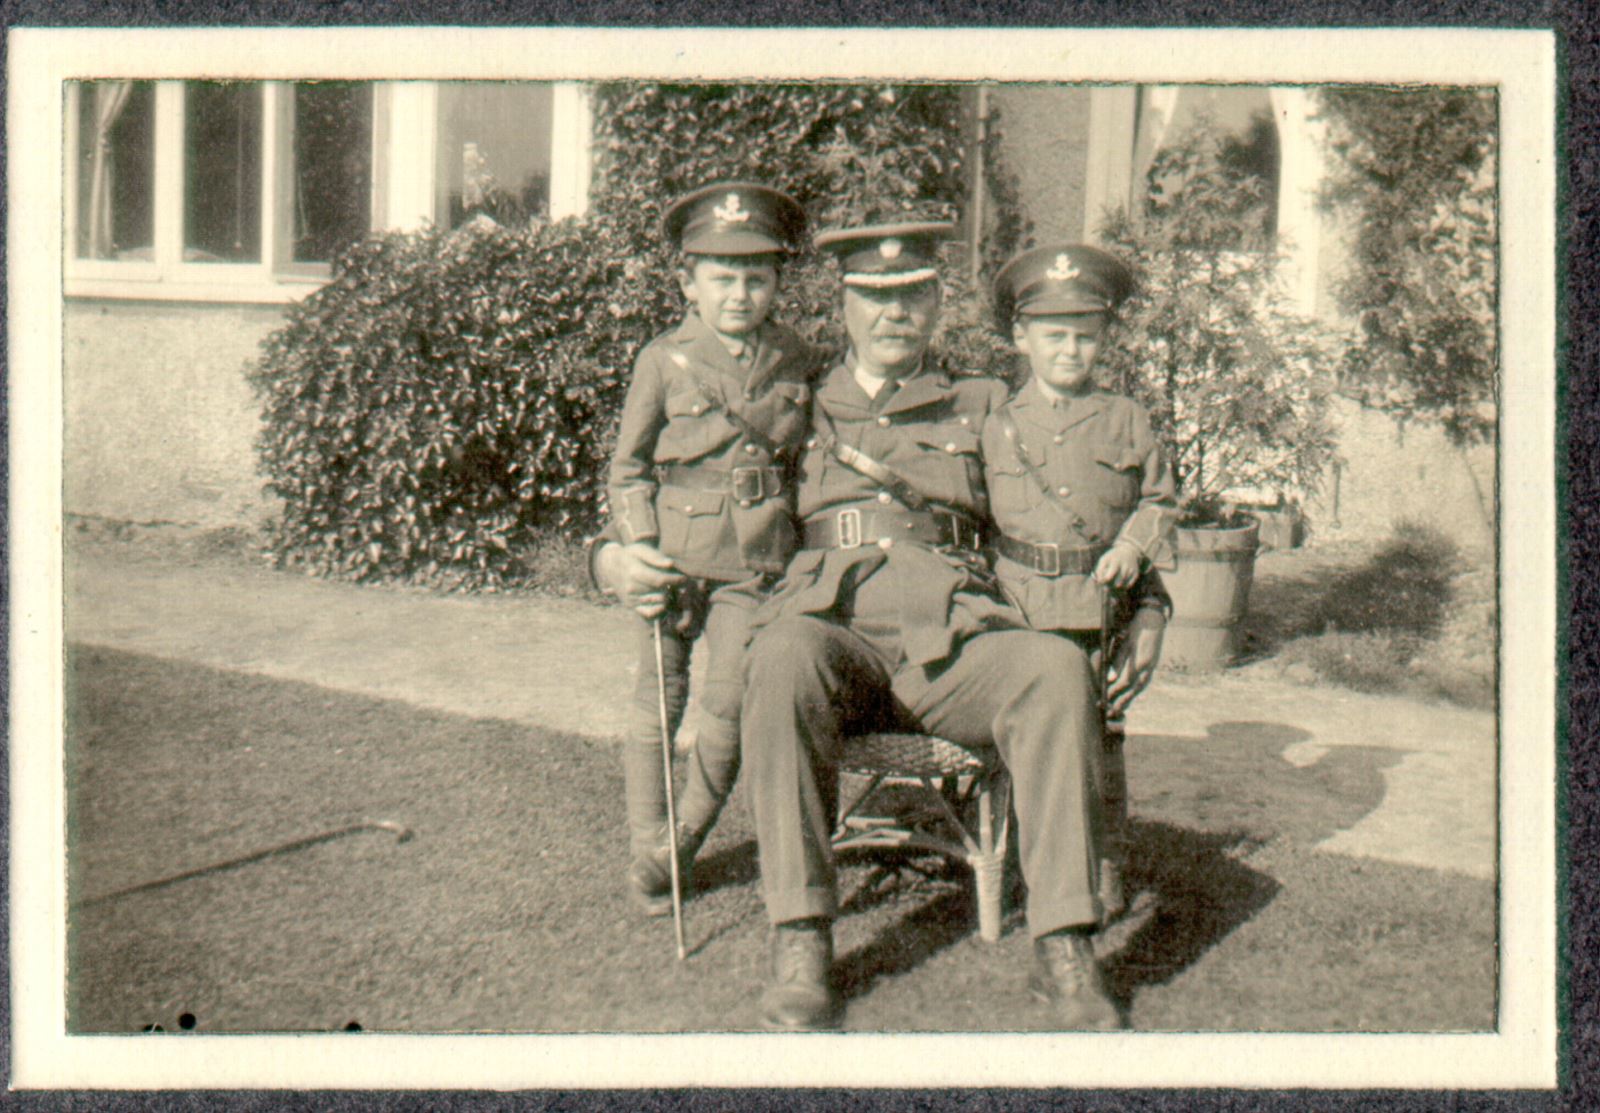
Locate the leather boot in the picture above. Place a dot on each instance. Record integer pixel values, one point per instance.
(801, 997)
(650, 873)
(1067, 976)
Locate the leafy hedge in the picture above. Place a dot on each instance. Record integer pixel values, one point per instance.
(443, 397)
(449, 399)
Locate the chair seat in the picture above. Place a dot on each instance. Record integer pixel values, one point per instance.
(900, 754)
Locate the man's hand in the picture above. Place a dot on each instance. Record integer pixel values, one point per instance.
(639, 574)
(1136, 659)
(1119, 567)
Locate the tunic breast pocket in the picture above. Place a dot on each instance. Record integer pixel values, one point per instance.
(1012, 492)
(1117, 476)
(694, 427)
(691, 523)
(949, 457)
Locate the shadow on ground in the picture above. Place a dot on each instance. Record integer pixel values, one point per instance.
(1403, 590)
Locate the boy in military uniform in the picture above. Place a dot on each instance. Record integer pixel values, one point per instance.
(1081, 496)
(888, 616)
(699, 489)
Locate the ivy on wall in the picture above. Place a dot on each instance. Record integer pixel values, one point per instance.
(1415, 179)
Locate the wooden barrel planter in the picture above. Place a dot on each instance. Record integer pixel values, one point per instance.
(1210, 590)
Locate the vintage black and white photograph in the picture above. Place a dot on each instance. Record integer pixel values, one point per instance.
(1053, 552)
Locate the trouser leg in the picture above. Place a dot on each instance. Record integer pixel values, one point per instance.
(713, 764)
(643, 776)
(809, 683)
(1032, 694)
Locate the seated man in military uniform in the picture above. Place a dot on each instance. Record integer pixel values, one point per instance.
(889, 617)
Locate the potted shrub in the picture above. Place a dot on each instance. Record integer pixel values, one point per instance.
(1236, 383)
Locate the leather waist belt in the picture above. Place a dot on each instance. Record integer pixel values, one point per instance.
(852, 528)
(748, 485)
(1049, 560)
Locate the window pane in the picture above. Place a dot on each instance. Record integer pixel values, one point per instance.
(333, 167)
(222, 172)
(494, 150)
(116, 170)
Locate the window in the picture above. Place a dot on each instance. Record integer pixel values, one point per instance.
(246, 190)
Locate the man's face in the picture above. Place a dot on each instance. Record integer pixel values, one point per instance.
(732, 296)
(1061, 347)
(890, 328)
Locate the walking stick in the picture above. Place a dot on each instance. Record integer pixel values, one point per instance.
(672, 815)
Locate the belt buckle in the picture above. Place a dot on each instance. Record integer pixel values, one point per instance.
(1047, 559)
(748, 485)
(848, 525)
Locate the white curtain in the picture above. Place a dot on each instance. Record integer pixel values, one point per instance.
(110, 98)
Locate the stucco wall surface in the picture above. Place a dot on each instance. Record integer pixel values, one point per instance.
(1044, 132)
(160, 422)
(1392, 473)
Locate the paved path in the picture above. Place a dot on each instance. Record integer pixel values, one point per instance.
(555, 663)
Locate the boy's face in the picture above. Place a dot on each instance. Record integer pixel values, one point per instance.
(1061, 347)
(732, 296)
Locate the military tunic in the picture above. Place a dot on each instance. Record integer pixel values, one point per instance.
(911, 635)
(689, 406)
(1105, 480)
(701, 467)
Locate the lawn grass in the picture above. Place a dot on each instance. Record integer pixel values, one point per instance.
(505, 911)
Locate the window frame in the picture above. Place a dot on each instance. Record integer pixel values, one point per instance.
(404, 138)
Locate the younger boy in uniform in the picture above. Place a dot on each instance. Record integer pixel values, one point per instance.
(1082, 498)
(713, 417)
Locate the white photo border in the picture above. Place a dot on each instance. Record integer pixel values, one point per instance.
(1521, 1054)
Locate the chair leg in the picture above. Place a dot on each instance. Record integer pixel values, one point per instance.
(989, 864)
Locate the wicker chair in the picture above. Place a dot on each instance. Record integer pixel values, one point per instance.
(967, 816)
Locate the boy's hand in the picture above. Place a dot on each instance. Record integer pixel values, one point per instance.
(639, 574)
(1136, 660)
(1119, 567)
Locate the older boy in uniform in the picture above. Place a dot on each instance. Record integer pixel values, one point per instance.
(699, 489)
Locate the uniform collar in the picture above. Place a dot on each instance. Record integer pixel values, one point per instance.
(1058, 414)
(708, 350)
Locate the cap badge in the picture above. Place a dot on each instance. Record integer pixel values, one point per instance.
(1063, 271)
(890, 248)
(730, 212)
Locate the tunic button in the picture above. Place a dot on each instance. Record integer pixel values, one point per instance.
(688, 508)
(966, 421)
(1063, 491)
(696, 410)
(950, 447)
(885, 543)
(811, 442)
(745, 504)
(1059, 439)
(751, 449)
(884, 497)
(883, 421)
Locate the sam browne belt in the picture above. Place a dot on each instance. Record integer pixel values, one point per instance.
(852, 528)
(1049, 560)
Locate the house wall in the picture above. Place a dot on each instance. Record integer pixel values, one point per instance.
(160, 422)
(1392, 473)
(1044, 136)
